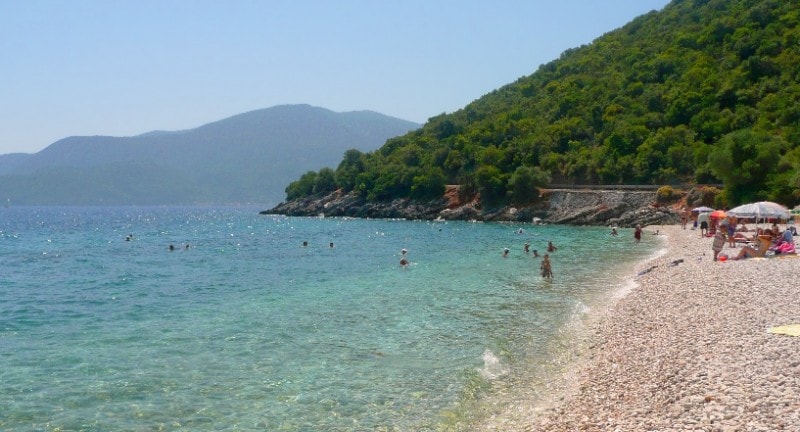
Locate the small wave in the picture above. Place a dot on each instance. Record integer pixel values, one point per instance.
(580, 308)
(624, 288)
(492, 368)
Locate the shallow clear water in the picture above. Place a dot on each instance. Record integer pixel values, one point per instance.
(248, 330)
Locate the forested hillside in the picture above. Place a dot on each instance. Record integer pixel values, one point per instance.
(703, 91)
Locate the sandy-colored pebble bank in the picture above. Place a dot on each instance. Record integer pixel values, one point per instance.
(687, 349)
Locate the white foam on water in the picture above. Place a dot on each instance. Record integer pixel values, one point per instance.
(492, 368)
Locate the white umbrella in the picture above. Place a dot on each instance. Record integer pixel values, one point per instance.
(761, 209)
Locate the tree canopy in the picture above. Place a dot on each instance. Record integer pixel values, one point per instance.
(704, 91)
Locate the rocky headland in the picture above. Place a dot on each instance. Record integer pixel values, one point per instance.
(557, 206)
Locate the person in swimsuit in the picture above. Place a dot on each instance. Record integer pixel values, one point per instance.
(547, 269)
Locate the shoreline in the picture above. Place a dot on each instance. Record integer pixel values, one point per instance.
(557, 379)
(685, 349)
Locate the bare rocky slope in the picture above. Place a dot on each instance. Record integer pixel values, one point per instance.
(560, 206)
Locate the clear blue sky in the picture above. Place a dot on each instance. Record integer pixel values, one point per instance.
(122, 68)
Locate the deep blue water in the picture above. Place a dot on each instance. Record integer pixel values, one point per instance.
(248, 330)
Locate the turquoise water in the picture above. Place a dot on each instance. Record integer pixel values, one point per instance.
(248, 330)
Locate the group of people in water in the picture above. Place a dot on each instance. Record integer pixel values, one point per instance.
(330, 245)
(170, 248)
(546, 267)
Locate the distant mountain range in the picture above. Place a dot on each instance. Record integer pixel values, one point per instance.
(245, 159)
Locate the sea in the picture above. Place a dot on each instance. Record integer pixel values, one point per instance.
(221, 319)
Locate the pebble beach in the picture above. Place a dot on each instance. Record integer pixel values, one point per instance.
(686, 349)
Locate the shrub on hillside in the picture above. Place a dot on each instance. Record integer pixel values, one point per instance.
(665, 195)
(702, 196)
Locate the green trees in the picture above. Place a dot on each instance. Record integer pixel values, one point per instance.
(303, 187)
(524, 184)
(325, 182)
(351, 166)
(491, 184)
(747, 163)
(428, 184)
(703, 91)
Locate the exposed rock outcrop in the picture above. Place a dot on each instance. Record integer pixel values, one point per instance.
(606, 207)
(561, 206)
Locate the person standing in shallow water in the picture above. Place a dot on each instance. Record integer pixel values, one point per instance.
(637, 233)
(547, 269)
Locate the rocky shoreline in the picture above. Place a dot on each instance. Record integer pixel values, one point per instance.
(557, 206)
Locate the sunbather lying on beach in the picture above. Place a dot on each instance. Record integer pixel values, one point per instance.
(763, 243)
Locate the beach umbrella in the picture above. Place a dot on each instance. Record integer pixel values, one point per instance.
(718, 214)
(796, 210)
(761, 209)
(702, 209)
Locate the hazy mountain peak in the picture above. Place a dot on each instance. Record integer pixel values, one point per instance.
(248, 157)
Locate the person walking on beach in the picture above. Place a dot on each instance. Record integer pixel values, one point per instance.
(684, 217)
(637, 233)
(703, 219)
(547, 269)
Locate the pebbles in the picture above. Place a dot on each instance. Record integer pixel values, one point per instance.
(687, 350)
